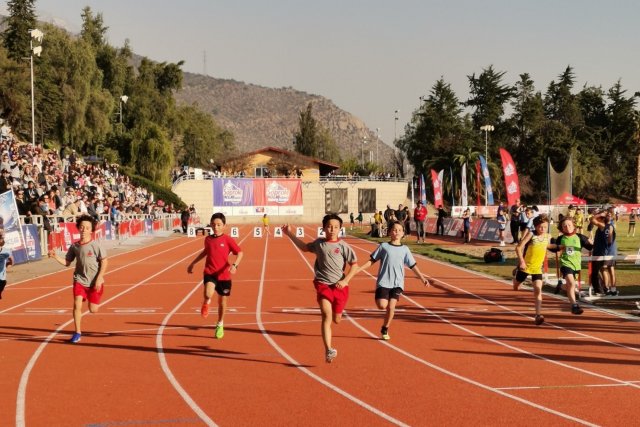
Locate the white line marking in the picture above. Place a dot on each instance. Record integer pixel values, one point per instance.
(165, 365)
(294, 362)
(24, 379)
(466, 379)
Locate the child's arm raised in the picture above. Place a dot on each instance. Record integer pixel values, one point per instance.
(299, 243)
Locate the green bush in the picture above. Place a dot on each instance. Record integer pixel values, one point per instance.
(160, 193)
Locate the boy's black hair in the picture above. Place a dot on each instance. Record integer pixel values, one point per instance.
(218, 215)
(86, 217)
(329, 217)
(392, 223)
(540, 219)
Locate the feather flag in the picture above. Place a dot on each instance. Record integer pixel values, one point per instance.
(437, 188)
(487, 180)
(423, 190)
(463, 187)
(511, 183)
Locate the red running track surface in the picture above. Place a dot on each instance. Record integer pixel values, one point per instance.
(463, 352)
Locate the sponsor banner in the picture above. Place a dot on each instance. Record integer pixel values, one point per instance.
(437, 188)
(463, 188)
(32, 252)
(250, 197)
(232, 192)
(10, 222)
(511, 183)
(487, 180)
(277, 192)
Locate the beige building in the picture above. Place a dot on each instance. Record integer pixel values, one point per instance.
(322, 190)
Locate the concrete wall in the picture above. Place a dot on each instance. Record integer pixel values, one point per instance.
(200, 194)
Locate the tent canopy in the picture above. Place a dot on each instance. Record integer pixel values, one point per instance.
(568, 199)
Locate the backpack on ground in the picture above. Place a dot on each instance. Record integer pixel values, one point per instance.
(494, 255)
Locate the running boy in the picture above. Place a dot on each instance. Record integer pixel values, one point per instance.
(265, 225)
(571, 258)
(390, 283)
(5, 260)
(88, 276)
(531, 263)
(332, 256)
(217, 270)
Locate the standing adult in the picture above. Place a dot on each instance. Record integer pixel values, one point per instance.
(388, 215)
(514, 221)
(442, 214)
(419, 216)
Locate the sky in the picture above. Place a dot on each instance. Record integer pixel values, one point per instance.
(373, 57)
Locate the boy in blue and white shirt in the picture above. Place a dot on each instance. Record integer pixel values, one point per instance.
(5, 260)
(393, 257)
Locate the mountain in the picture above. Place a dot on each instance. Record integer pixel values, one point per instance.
(259, 116)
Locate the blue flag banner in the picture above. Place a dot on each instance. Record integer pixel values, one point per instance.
(487, 180)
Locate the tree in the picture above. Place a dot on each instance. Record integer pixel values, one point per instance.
(152, 153)
(488, 97)
(22, 19)
(306, 138)
(438, 132)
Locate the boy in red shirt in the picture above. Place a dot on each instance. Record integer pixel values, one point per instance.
(217, 270)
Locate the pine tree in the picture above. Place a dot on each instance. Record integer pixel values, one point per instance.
(22, 19)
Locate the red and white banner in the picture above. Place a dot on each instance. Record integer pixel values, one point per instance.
(511, 183)
(437, 188)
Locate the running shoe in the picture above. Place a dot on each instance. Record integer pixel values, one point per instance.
(612, 293)
(219, 331)
(76, 337)
(204, 310)
(539, 319)
(575, 309)
(558, 287)
(385, 333)
(332, 353)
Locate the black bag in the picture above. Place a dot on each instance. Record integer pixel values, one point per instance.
(494, 255)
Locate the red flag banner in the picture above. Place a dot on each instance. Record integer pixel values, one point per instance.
(511, 183)
(437, 189)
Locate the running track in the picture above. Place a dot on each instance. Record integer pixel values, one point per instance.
(463, 352)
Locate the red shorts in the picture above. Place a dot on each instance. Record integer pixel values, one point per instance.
(336, 296)
(89, 294)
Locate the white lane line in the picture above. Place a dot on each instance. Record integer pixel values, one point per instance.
(66, 287)
(165, 365)
(463, 378)
(297, 364)
(543, 387)
(167, 371)
(24, 379)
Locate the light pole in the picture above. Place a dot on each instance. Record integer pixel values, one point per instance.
(486, 129)
(395, 126)
(377, 146)
(123, 98)
(364, 141)
(37, 35)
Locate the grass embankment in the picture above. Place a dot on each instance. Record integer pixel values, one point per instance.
(471, 257)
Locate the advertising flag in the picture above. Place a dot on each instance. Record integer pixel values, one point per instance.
(478, 183)
(423, 190)
(463, 187)
(511, 182)
(487, 180)
(437, 188)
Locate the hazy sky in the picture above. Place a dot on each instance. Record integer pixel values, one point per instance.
(374, 57)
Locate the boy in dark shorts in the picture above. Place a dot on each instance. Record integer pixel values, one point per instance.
(393, 256)
(217, 270)
(332, 257)
(88, 276)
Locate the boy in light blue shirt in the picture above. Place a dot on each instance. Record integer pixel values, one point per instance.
(393, 257)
